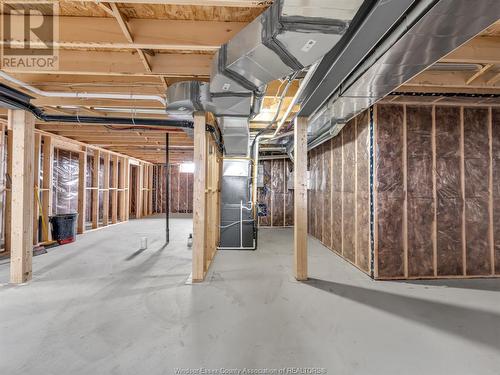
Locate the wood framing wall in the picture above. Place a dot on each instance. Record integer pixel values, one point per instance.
(436, 195)
(339, 198)
(99, 179)
(206, 198)
(275, 193)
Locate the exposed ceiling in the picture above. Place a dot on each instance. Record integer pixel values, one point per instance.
(136, 47)
(473, 70)
(142, 46)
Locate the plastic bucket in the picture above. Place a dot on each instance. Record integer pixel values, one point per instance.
(64, 227)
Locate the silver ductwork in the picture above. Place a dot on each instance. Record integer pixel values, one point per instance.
(187, 97)
(236, 135)
(431, 30)
(289, 36)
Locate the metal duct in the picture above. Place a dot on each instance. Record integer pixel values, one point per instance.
(236, 134)
(287, 37)
(430, 31)
(187, 97)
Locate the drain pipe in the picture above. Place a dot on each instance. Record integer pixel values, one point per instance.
(80, 95)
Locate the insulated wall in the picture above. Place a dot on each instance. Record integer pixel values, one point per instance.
(339, 193)
(275, 193)
(181, 190)
(437, 196)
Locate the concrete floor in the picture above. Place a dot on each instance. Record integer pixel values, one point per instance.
(99, 306)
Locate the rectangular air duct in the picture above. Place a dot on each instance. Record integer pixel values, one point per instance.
(289, 36)
(236, 135)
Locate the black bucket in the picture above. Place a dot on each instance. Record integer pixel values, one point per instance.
(64, 227)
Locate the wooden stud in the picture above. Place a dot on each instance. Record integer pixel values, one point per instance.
(95, 189)
(23, 125)
(434, 193)
(356, 250)
(300, 196)
(199, 198)
(121, 192)
(342, 239)
(375, 195)
(150, 189)
(8, 194)
(47, 193)
(114, 191)
(82, 190)
(138, 199)
(105, 192)
(127, 188)
(405, 192)
(36, 182)
(462, 185)
(490, 192)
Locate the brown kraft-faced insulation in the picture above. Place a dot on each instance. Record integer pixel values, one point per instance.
(319, 194)
(420, 205)
(496, 186)
(363, 191)
(449, 194)
(389, 190)
(289, 198)
(348, 199)
(264, 193)
(476, 159)
(327, 196)
(277, 189)
(336, 223)
(174, 188)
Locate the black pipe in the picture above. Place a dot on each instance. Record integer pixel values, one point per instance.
(41, 115)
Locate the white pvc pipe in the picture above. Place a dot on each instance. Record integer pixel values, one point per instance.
(80, 95)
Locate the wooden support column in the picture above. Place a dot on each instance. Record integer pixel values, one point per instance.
(47, 165)
(121, 192)
(138, 191)
(150, 191)
(82, 189)
(36, 182)
(300, 196)
(23, 143)
(127, 188)
(199, 197)
(105, 193)
(114, 191)
(95, 189)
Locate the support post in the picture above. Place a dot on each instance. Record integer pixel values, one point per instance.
(150, 191)
(300, 196)
(48, 159)
(105, 192)
(199, 197)
(36, 182)
(122, 192)
(138, 191)
(167, 188)
(95, 189)
(82, 189)
(23, 143)
(114, 191)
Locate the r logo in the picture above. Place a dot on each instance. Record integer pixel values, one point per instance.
(29, 33)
